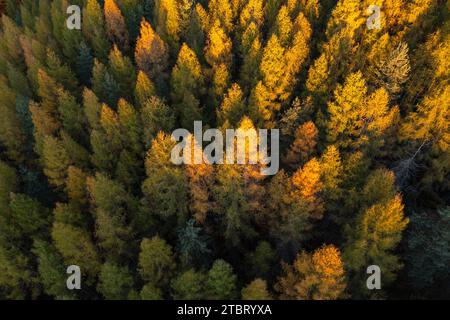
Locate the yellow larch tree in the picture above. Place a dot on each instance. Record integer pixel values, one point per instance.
(307, 187)
(283, 26)
(303, 146)
(218, 47)
(151, 53)
(168, 21)
(233, 106)
(201, 181)
(222, 10)
(317, 276)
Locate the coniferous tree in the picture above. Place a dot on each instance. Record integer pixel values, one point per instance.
(87, 170)
(187, 87)
(429, 256)
(156, 116)
(123, 72)
(94, 29)
(256, 290)
(317, 276)
(151, 55)
(85, 62)
(170, 205)
(144, 90)
(304, 144)
(221, 281)
(156, 262)
(112, 207)
(115, 282)
(115, 25)
(189, 286)
(51, 271)
(384, 218)
(11, 135)
(167, 19)
(77, 248)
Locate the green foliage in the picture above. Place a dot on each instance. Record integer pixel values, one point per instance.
(256, 290)
(86, 175)
(428, 257)
(156, 116)
(221, 282)
(115, 282)
(28, 214)
(150, 292)
(51, 271)
(111, 206)
(262, 260)
(76, 247)
(189, 286)
(156, 262)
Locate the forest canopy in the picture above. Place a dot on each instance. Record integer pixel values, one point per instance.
(86, 117)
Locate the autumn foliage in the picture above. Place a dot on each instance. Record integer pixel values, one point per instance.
(86, 176)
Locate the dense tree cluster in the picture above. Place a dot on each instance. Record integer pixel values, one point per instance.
(86, 177)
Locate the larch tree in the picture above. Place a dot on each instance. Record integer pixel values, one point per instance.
(116, 29)
(331, 171)
(167, 17)
(156, 261)
(122, 70)
(238, 191)
(317, 276)
(130, 165)
(51, 270)
(304, 145)
(187, 87)
(346, 110)
(233, 107)
(188, 285)
(283, 26)
(166, 187)
(76, 247)
(377, 233)
(222, 10)
(221, 281)
(394, 72)
(91, 108)
(115, 282)
(252, 12)
(151, 54)
(111, 207)
(144, 89)
(218, 54)
(11, 134)
(94, 28)
(156, 116)
(60, 71)
(428, 241)
(106, 141)
(308, 186)
(201, 183)
(56, 161)
(256, 290)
